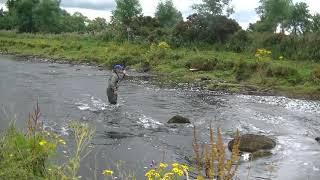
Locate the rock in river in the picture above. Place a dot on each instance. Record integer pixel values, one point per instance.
(179, 120)
(252, 143)
(317, 139)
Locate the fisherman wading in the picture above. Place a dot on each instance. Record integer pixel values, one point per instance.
(118, 74)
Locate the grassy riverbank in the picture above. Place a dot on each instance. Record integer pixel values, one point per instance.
(214, 70)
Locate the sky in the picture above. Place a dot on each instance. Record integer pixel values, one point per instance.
(244, 9)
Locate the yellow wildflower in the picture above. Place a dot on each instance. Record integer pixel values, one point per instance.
(185, 167)
(62, 141)
(107, 172)
(163, 45)
(163, 165)
(175, 165)
(177, 171)
(150, 173)
(157, 175)
(42, 142)
(11, 155)
(168, 176)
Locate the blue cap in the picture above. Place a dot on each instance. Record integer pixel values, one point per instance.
(118, 67)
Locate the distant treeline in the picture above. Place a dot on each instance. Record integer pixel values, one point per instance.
(287, 29)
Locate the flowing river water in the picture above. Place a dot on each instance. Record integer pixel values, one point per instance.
(134, 133)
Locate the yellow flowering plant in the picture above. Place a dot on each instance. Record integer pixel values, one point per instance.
(163, 45)
(162, 172)
(263, 54)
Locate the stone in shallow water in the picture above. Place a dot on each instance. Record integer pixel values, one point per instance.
(179, 120)
(253, 143)
(317, 139)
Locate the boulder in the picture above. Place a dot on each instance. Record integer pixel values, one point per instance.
(252, 143)
(317, 139)
(179, 120)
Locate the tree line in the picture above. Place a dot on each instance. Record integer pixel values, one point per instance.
(283, 26)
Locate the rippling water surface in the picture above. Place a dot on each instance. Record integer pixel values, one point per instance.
(135, 131)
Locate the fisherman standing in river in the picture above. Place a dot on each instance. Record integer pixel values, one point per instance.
(118, 74)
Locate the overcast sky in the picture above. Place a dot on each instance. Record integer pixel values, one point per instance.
(244, 9)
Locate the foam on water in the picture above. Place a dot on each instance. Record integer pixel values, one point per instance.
(148, 122)
(94, 104)
(290, 104)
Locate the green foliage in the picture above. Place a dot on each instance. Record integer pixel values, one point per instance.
(316, 74)
(213, 7)
(275, 12)
(201, 63)
(239, 41)
(212, 29)
(97, 25)
(315, 26)
(299, 18)
(243, 70)
(126, 11)
(167, 14)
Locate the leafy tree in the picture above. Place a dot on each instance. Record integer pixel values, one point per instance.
(126, 11)
(167, 14)
(212, 29)
(275, 12)
(1, 12)
(261, 26)
(25, 15)
(47, 15)
(213, 7)
(315, 23)
(299, 18)
(146, 26)
(12, 4)
(97, 25)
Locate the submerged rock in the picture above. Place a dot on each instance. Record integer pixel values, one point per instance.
(179, 120)
(252, 143)
(317, 139)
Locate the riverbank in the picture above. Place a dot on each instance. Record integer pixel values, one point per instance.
(181, 67)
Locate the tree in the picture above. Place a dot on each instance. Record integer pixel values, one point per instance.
(126, 11)
(213, 7)
(167, 14)
(299, 18)
(24, 11)
(47, 16)
(212, 29)
(97, 25)
(1, 12)
(315, 23)
(261, 26)
(275, 12)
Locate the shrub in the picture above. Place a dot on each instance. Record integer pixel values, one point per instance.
(316, 74)
(243, 70)
(239, 41)
(202, 63)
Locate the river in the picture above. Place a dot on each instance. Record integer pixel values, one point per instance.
(135, 131)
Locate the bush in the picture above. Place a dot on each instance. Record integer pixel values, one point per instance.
(202, 63)
(238, 42)
(282, 71)
(316, 74)
(243, 70)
